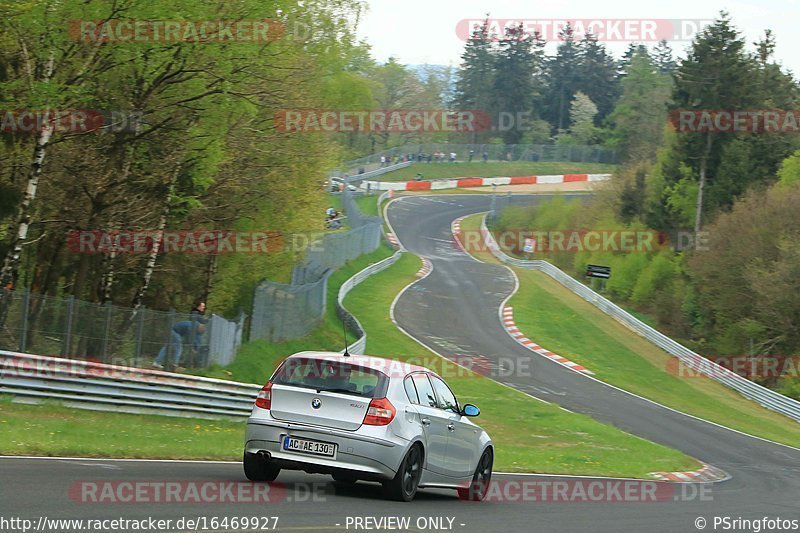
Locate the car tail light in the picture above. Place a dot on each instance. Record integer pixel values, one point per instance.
(264, 398)
(379, 413)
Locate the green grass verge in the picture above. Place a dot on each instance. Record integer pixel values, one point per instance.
(432, 171)
(530, 436)
(53, 430)
(554, 317)
(368, 205)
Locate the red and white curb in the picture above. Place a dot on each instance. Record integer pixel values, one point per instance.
(455, 229)
(707, 474)
(427, 268)
(513, 330)
(457, 183)
(392, 238)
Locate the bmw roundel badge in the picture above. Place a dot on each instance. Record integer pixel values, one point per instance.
(316, 403)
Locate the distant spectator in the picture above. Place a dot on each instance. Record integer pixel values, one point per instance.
(430, 157)
(199, 309)
(189, 331)
(383, 160)
(485, 157)
(453, 157)
(471, 153)
(334, 220)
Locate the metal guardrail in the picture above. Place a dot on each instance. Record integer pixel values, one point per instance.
(375, 173)
(99, 386)
(749, 389)
(352, 322)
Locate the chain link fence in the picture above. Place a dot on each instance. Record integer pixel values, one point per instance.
(571, 153)
(76, 329)
(289, 311)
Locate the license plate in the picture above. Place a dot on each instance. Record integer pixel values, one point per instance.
(309, 446)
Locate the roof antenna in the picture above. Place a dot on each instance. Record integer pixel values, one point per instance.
(344, 330)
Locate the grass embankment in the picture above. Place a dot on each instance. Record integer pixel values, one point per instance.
(368, 205)
(530, 436)
(53, 430)
(554, 317)
(431, 171)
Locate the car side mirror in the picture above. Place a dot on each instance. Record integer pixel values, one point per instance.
(470, 410)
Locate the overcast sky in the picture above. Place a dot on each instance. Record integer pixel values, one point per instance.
(424, 31)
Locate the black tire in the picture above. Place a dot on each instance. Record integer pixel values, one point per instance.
(404, 486)
(480, 479)
(257, 469)
(344, 479)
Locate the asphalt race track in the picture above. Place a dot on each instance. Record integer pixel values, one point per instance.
(455, 312)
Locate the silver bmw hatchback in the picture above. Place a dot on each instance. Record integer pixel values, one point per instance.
(367, 418)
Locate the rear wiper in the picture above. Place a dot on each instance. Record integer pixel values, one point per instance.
(343, 391)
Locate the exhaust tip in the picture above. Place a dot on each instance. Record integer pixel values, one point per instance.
(265, 455)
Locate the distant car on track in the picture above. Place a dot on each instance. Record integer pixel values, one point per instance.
(367, 418)
(336, 185)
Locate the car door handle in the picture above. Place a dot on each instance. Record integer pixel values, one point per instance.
(451, 427)
(426, 422)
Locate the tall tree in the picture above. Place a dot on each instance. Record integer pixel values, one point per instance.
(563, 79)
(717, 74)
(597, 76)
(473, 87)
(640, 114)
(662, 57)
(517, 66)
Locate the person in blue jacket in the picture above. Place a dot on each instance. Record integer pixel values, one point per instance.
(189, 331)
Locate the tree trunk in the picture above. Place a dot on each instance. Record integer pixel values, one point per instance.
(701, 188)
(8, 276)
(211, 270)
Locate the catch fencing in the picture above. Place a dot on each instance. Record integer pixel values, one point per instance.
(749, 389)
(290, 311)
(573, 153)
(77, 329)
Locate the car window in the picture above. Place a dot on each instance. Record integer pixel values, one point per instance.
(325, 374)
(424, 390)
(447, 399)
(411, 390)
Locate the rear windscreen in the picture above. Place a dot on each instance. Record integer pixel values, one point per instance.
(334, 376)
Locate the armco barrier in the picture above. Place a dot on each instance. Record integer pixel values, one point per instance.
(98, 386)
(360, 345)
(455, 183)
(764, 396)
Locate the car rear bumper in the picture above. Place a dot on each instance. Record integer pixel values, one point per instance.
(363, 456)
